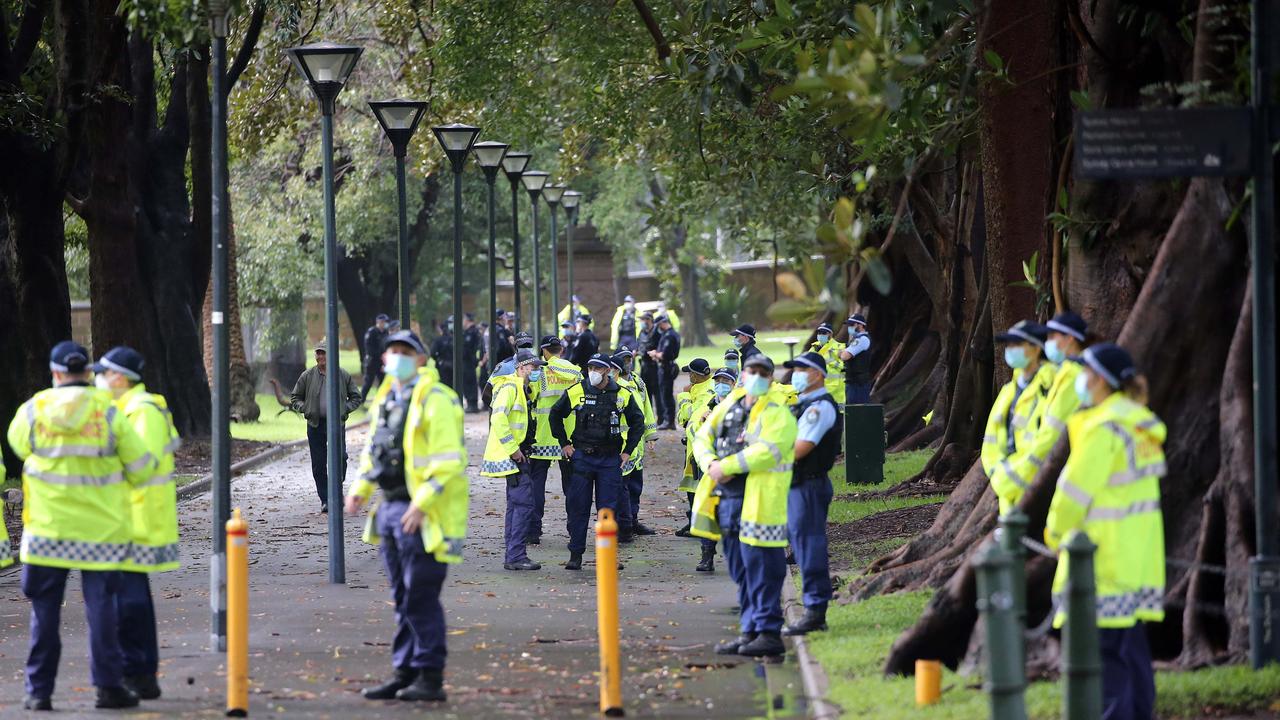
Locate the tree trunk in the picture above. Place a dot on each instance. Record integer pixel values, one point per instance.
(244, 399)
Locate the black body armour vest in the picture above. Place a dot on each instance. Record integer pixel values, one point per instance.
(598, 422)
(387, 449)
(819, 460)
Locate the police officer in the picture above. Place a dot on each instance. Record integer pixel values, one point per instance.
(595, 445)
(81, 461)
(551, 384)
(442, 354)
(567, 335)
(1015, 413)
(154, 513)
(733, 360)
(506, 455)
(622, 330)
(825, 344)
(857, 361)
(572, 310)
(705, 392)
(818, 433)
(746, 447)
(374, 337)
(585, 344)
(504, 339)
(744, 341)
(647, 342)
(415, 456)
(629, 524)
(666, 354)
(472, 347)
(1110, 490)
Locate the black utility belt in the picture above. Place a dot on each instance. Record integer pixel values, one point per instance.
(599, 450)
(398, 492)
(802, 479)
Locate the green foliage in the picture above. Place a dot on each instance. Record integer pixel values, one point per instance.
(725, 306)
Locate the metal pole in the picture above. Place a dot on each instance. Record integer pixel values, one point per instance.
(457, 280)
(333, 373)
(515, 252)
(555, 261)
(221, 390)
(1081, 655)
(537, 276)
(493, 273)
(403, 247)
(568, 241)
(1013, 526)
(1006, 676)
(1264, 568)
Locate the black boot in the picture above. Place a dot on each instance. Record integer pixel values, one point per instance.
(814, 620)
(767, 644)
(684, 531)
(575, 561)
(144, 686)
(387, 690)
(708, 562)
(111, 698)
(37, 703)
(730, 647)
(427, 687)
(642, 529)
(626, 535)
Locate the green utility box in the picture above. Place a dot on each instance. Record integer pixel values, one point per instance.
(864, 441)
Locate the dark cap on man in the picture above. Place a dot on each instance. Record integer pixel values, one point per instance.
(600, 360)
(550, 341)
(747, 331)
(526, 357)
(1069, 323)
(524, 340)
(762, 361)
(124, 360)
(68, 356)
(810, 360)
(1025, 331)
(697, 366)
(409, 338)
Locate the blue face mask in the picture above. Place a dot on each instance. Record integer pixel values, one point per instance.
(1082, 390)
(535, 376)
(737, 341)
(800, 381)
(400, 367)
(756, 385)
(723, 389)
(823, 338)
(1016, 357)
(1055, 354)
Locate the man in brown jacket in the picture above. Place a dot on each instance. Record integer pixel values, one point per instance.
(310, 398)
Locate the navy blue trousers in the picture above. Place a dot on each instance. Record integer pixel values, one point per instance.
(758, 571)
(136, 614)
(807, 506)
(857, 394)
(1128, 680)
(629, 499)
(45, 587)
(416, 581)
(521, 511)
(600, 475)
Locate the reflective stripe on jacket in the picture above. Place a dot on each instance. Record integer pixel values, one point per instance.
(766, 460)
(508, 424)
(435, 465)
(6, 551)
(557, 377)
(1007, 484)
(1049, 424)
(154, 501)
(1110, 490)
(691, 409)
(835, 367)
(641, 394)
(81, 459)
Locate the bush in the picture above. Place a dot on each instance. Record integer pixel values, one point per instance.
(724, 305)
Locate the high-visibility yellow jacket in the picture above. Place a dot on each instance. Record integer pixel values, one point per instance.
(508, 424)
(766, 460)
(558, 375)
(1110, 490)
(435, 465)
(830, 351)
(692, 408)
(567, 313)
(155, 501)
(81, 460)
(995, 441)
(6, 552)
(1048, 425)
(641, 394)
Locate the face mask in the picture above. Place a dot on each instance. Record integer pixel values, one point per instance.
(631, 306)
(723, 389)
(756, 385)
(535, 376)
(400, 367)
(594, 377)
(737, 342)
(102, 383)
(1055, 354)
(800, 381)
(1082, 390)
(822, 339)
(1016, 357)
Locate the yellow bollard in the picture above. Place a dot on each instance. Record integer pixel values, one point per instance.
(607, 612)
(237, 616)
(928, 682)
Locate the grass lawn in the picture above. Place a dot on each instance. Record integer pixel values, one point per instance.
(278, 428)
(853, 651)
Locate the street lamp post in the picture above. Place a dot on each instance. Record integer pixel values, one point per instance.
(570, 201)
(489, 154)
(456, 139)
(533, 181)
(513, 165)
(326, 67)
(219, 11)
(399, 119)
(552, 194)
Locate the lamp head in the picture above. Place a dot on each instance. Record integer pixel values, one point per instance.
(534, 181)
(553, 193)
(514, 164)
(489, 155)
(399, 119)
(326, 67)
(456, 140)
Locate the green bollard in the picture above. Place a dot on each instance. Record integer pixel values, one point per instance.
(1006, 676)
(864, 444)
(1081, 656)
(1013, 526)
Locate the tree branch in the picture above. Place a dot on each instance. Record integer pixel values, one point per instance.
(245, 53)
(28, 37)
(650, 22)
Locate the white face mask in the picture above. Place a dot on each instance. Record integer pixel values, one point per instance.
(1082, 390)
(400, 367)
(594, 377)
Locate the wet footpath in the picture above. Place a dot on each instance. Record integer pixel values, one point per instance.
(521, 645)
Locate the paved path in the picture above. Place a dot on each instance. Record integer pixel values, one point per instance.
(521, 644)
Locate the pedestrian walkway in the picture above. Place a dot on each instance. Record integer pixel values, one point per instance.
(520, 644)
